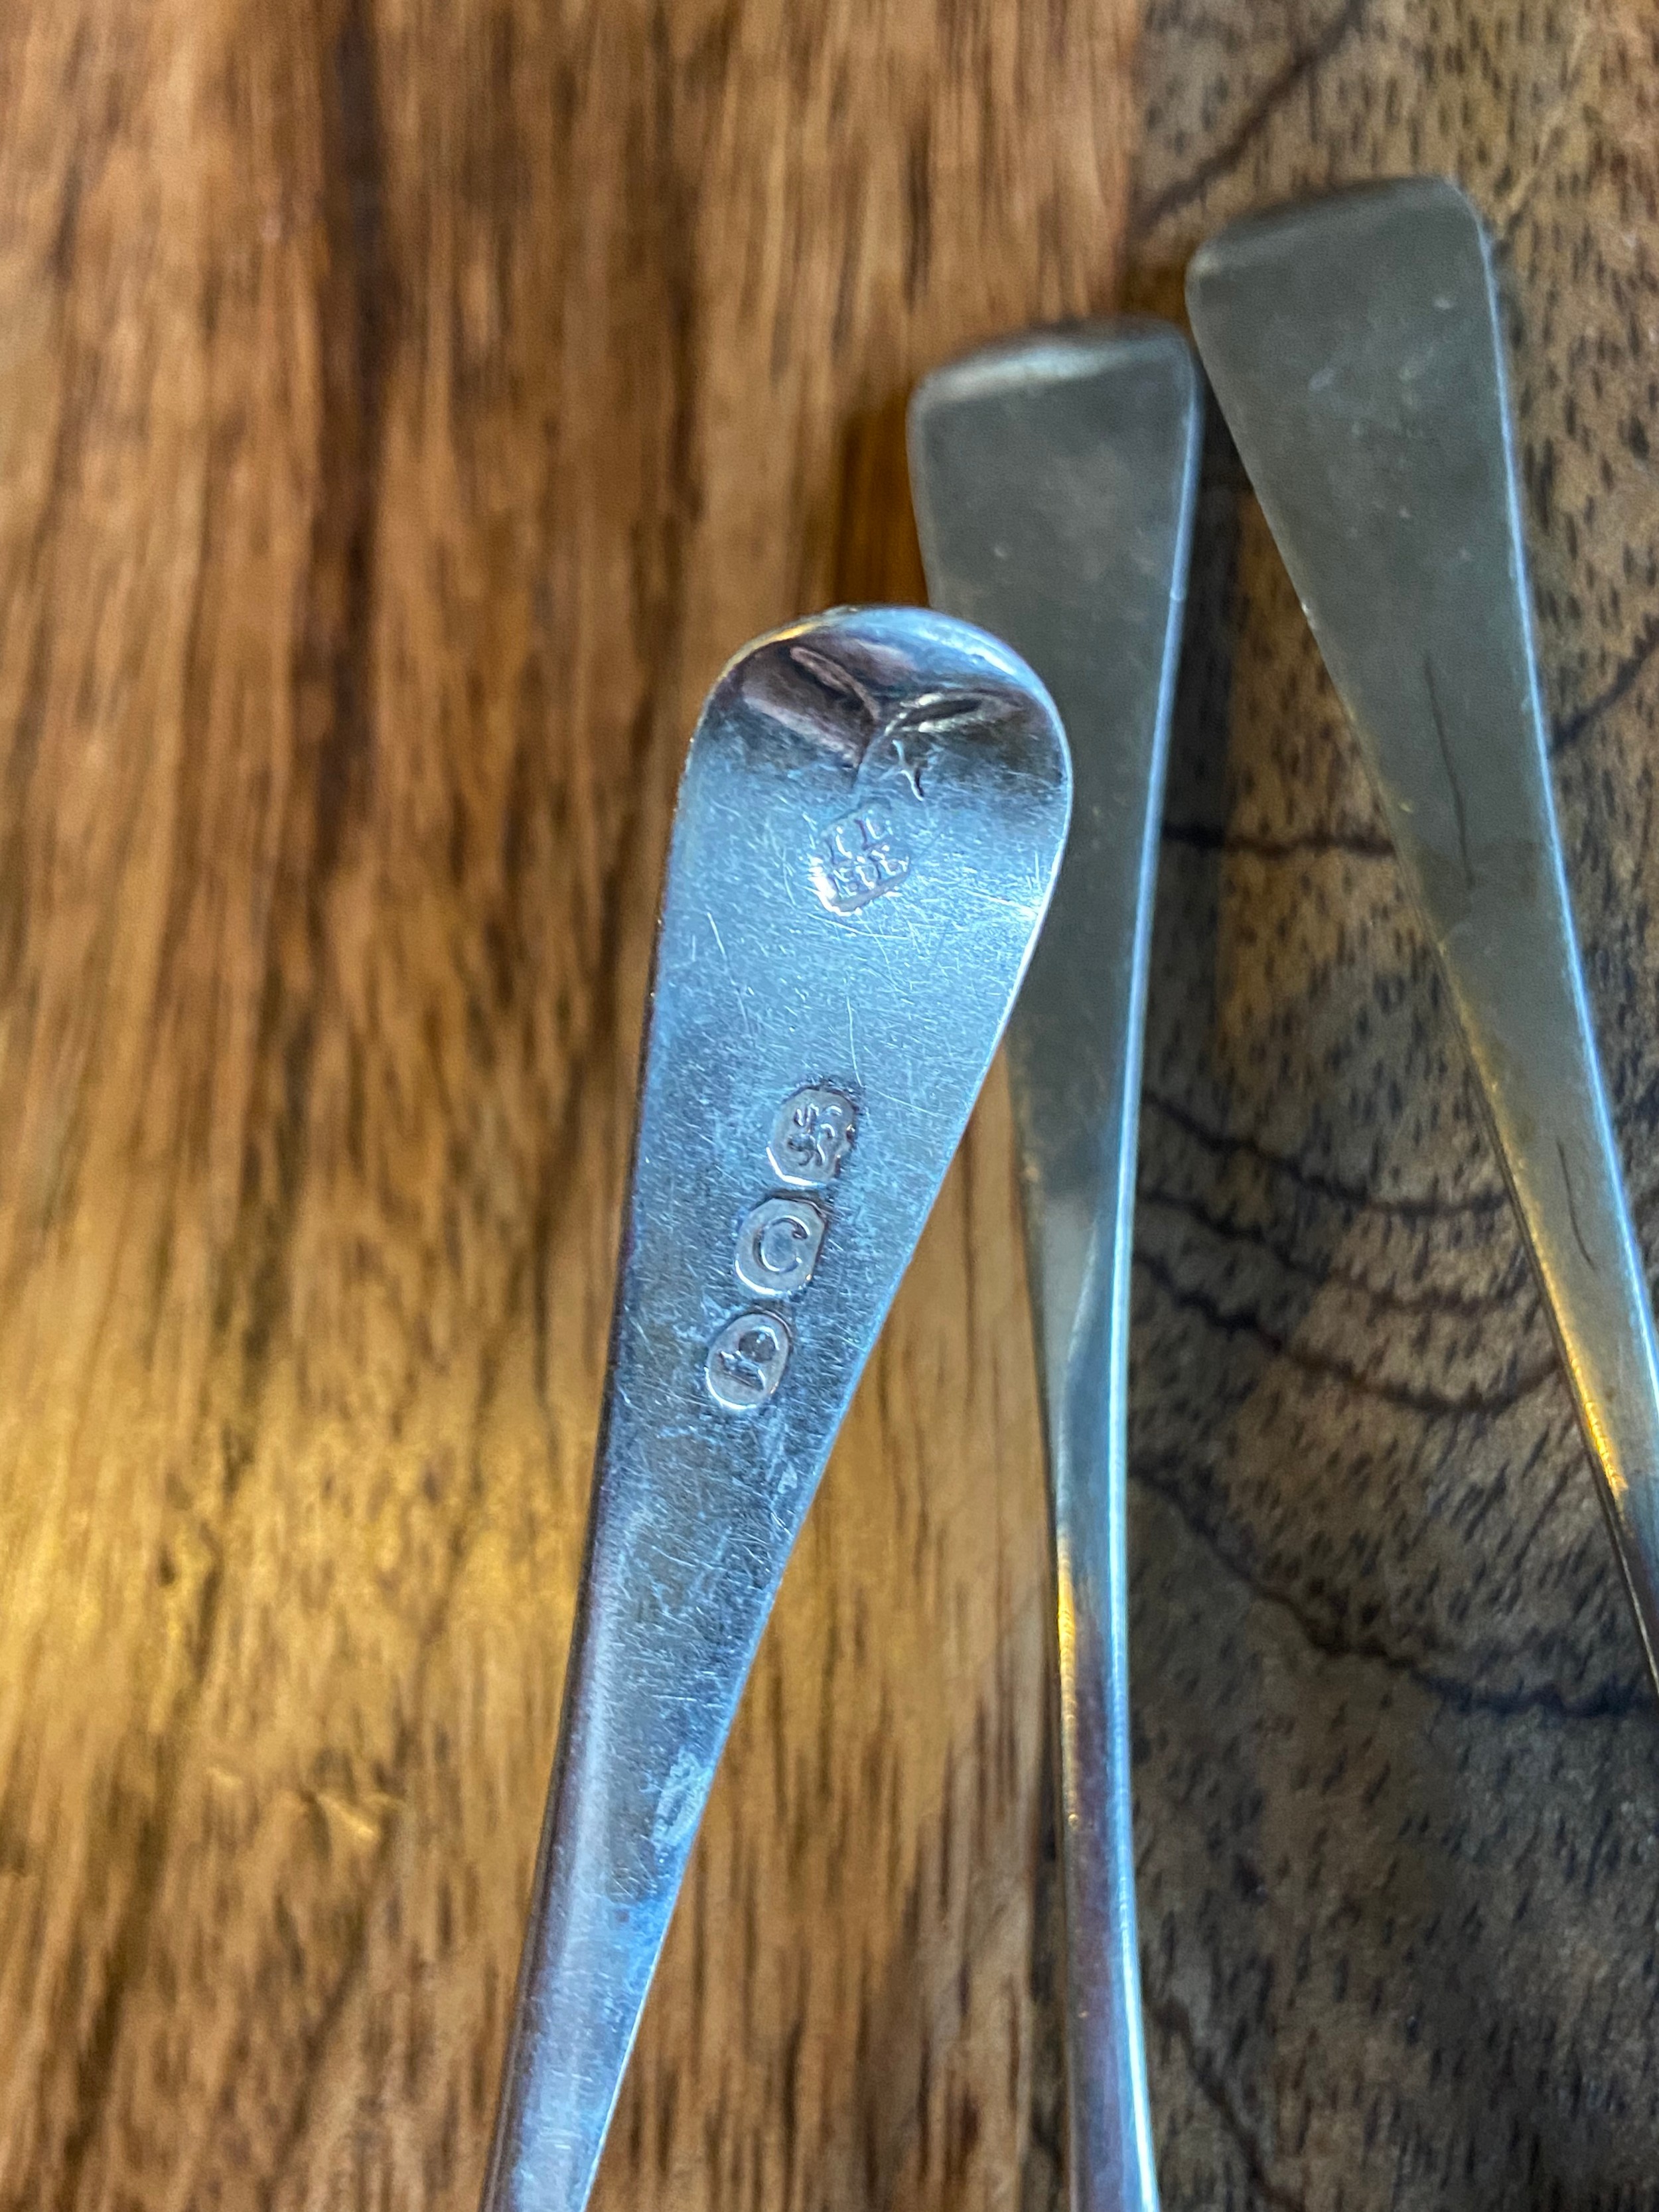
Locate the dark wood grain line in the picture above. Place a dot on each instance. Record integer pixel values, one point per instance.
(1180, 192)
(1314, 844)
(1514, 1287)
(1625, 678)
(1354, 1198)
(1617, 1698)
(1169, 2013)
(1346, 1372)
(95, 2062)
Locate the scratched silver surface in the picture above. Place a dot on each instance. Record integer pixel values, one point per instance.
(1054, 478)
(869, 824)
(1355, 347)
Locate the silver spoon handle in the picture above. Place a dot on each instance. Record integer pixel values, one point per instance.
(1053, 480)
(1354, 346)
(868, 829)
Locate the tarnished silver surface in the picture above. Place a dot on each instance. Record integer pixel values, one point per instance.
(869, 824)
(1054, 481)
(1354, 347)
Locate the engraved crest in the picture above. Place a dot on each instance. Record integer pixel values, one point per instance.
(778, 1246)
(812, 1135)
(746, 1361)
(857, 859)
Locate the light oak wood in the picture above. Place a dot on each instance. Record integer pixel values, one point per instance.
(404, 411)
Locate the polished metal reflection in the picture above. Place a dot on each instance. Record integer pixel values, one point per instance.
(1354, 346)
(1054, 481)
(868, 829)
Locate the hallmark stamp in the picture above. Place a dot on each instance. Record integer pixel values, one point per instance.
(858, 858)
(746, 1361)
(779, 1243)
(778, 1246)
(811, 1136)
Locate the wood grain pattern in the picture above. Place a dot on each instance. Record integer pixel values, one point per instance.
(1398, 1783)
(404, 411)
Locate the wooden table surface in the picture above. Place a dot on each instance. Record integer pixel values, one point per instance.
(404, 411)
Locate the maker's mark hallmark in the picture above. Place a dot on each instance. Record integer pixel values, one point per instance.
(778, 1246)
(811, 1136)
(746, 1361)
(863, 707)
(858, 858)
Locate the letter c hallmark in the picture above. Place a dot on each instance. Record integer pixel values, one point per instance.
(778, 1246)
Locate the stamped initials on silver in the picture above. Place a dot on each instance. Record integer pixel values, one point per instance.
(858, 858)
(812, 1136)
(746, 1360)
(778, 1246)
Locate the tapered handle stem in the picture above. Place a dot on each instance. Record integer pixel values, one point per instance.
(1054, 479)
(1354, 345)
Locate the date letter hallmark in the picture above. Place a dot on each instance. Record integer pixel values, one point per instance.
(746, 1361)
(811, 1136)
(859, 858)
(778, 1246)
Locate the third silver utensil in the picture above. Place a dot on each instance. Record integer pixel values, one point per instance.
(1354, 345)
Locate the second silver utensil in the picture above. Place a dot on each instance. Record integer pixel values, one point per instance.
(1054, 479)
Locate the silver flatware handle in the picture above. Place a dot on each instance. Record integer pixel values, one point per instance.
(1354, 346)
(1053, 479)
(868, 827)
